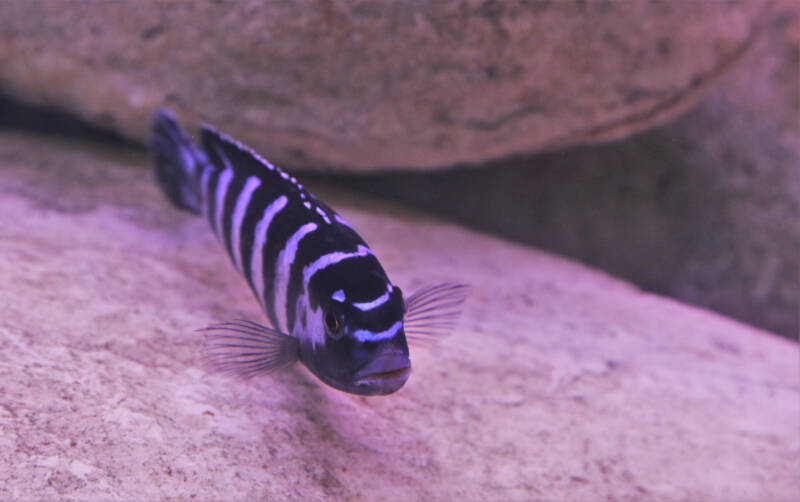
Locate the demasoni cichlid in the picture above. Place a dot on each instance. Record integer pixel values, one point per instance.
(330, 302)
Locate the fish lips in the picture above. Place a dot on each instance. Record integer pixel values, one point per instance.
(383, 375)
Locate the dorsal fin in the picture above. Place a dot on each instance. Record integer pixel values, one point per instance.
(224, 151)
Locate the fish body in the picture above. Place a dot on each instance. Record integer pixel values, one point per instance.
(329, 300)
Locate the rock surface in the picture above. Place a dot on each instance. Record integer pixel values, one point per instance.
(378, 84)
(561, 383)
(705, 209)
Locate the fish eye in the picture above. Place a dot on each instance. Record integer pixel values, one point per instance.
(332, 323)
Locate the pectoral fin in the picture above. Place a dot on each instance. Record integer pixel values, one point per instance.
(432, 311)
(246, 349)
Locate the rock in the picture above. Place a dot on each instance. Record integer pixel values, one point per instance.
(705, 209)
(364, 86)
(561, 383)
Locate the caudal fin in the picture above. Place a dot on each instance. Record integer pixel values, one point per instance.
(177, 161)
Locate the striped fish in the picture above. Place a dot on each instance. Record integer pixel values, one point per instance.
(330, 303)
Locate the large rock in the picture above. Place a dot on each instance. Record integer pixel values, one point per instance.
(561, 383)
(705, 209)
(378, 84)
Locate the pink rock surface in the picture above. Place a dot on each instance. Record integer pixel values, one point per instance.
(561, 383)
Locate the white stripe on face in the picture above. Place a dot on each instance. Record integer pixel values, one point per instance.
(257, 258)
(365, 306)
(238, 216)
(223, 183)
(283, 268)
(363, 335)
(328, 260)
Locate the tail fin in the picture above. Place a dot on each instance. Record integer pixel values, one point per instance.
(178, 161)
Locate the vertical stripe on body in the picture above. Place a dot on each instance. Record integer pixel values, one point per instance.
(205, 186)
(223, 183)
(259, 246)
(283, 269)
(239, 212)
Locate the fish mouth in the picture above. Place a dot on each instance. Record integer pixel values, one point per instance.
(388, 375)
(384, 374)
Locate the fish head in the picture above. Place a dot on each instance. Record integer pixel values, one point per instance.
(364, 349)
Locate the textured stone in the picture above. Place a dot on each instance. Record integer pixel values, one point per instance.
(705, 209)
(561, 383)
(365, 85)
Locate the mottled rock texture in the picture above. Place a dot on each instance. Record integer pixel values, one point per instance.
(705, 209)
(367, 85)
(561, 383)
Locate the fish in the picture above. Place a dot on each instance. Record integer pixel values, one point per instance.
(329, 301)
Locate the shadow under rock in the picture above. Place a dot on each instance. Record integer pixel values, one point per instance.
(17, 115)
